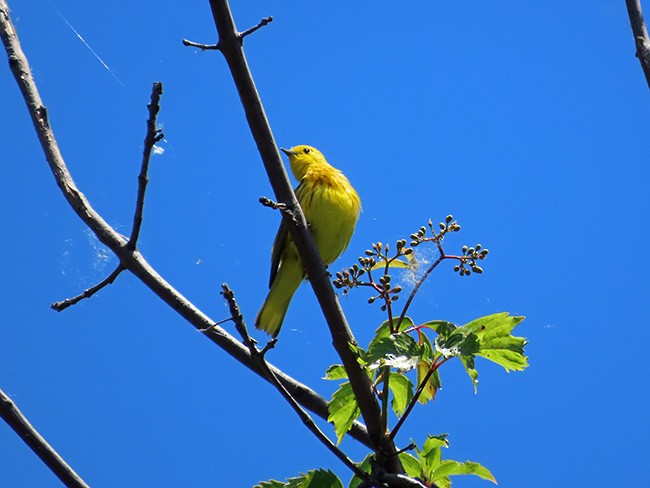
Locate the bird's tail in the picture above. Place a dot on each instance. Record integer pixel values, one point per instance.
(285, 284)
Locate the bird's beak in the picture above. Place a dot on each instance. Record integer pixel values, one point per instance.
(288, 152)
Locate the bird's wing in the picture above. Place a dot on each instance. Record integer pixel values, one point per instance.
(279, 245)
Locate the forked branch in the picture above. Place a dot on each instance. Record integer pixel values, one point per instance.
(259, 356)
(153, 136)
(131, 258)
(230, 45)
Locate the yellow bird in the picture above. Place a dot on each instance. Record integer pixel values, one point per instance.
(331, 207)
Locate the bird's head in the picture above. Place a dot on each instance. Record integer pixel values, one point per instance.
(302, 157)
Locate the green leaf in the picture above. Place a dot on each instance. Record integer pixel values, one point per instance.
(383, 330)
(450, 468)
(461, 342)
(431, 453)
(411, 465)
(343, 410)
(270, 484)
(360, 353)
(336, 372)
(496, 342)
(399, 351)
(441, 327)
(443, 483)
(402, 390)
(433, 383)
(318, 478)
(365, 466)
(468, 362)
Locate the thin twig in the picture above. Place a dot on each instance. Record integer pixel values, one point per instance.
(240, 35)
(267, 202)
(262, 23)
(153, 136)
(231, 48)
(384, 396)
(417, 287)
(202, 47)
(131, 258)
(416, 396)
(237, 317)
(68, 302)
(30, 436)
(258, 355)
(640, 33)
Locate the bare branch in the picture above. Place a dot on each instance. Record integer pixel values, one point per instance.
(30, 436)
(641, 38)
(202, 47)
(237, 317)
(231, 47)
(131, 259)
(68, 302)
(153, 136)
(262, 23)
(259, 356)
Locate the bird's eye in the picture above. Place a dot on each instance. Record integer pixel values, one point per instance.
(306, 150)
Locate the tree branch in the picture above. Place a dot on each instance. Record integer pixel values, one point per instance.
(131, 259)
(153, 136)
(259, 356)
(30, 436)
(68, 302)
(230, 45)
(641, 38)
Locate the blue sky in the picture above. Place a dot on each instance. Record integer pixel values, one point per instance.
(528, 121)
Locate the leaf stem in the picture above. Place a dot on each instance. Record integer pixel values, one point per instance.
(419, 284)
(434, 367)
(384, 397)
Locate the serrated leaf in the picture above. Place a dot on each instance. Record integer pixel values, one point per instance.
(270, 484)
(460, 342)
(336, 372)
(496, 342)
(468, 363)
(402, 390)
(399, 351)
(441, 327)
(318, 478)
(343, 410)
(360, 353)
(452, 468)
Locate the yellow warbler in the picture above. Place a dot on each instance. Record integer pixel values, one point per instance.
(331, 207)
